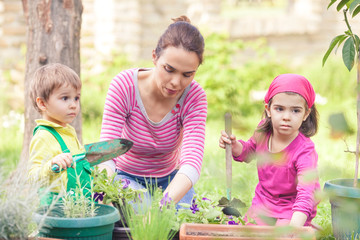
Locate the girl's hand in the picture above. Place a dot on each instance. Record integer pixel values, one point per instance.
(236, 146)
(63, 160)
(225, 139)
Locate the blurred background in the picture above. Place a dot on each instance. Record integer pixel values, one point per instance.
(248, 43)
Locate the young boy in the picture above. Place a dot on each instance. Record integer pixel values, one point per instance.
(55, 93)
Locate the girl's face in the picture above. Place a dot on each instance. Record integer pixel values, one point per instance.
(174, 70)
(287, 112)
(62, 106)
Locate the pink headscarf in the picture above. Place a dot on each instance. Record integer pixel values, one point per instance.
(291, 83)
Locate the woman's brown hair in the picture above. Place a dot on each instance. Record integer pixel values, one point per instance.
(182, 34)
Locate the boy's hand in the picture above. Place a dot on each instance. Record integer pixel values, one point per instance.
(63, 160)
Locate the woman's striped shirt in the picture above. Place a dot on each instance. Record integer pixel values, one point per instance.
(176, 142)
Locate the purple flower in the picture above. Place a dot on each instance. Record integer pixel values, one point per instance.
(98, 196)
(232, 222)
(194, 208)
(126, 183)
(205, 199)
(165, 200)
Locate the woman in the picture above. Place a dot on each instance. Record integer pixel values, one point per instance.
(163, 111)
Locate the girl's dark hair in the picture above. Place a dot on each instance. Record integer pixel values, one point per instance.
(309, 127)
(182, 34)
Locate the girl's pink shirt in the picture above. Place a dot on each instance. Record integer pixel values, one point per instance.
(288, 180)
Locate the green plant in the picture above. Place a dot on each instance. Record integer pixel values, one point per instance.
(18, 201)
(350, 56)
(109, 191)
(154, 221)
(204, 210)
(76, 204)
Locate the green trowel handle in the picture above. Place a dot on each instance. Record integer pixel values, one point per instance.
(76, 158)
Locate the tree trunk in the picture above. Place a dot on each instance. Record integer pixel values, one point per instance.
(53, 35)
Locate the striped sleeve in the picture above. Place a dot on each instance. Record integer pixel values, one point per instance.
(118, 103)
(194, 120)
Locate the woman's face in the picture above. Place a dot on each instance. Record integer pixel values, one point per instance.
(175, 68)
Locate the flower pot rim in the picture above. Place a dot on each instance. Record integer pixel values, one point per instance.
(107, 215)
(342, 187)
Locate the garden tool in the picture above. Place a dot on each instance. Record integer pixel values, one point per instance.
(228, 156)
(98, 152)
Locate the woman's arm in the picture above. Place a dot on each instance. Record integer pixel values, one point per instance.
(178, 187)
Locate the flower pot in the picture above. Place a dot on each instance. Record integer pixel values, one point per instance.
(55, 225)
(195, 231)
(121, 233)
(345, 207)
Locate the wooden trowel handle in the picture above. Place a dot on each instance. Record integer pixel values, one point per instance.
(228, 155)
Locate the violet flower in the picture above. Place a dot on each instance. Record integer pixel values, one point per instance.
(165, 200)
(205, 199)
(194, 208)
(232, 222)
(126, 183)
(98, 196)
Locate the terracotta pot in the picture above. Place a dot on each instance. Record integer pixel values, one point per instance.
(193, 231)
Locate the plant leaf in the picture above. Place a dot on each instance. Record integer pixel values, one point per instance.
(331, 3)
(223, 201)
(348, 53)
(332, 45)
(339, 42)
(341, 4)
(356, 11)
(353, 5)
(237, 203)
(231, 211)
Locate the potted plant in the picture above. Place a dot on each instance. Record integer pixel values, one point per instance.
(206, 219)
(154, 219)
(76, 216)
(116, 193)
(344, 194)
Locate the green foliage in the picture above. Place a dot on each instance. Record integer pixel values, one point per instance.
(156, 221)
(113, 191)
(76, 204)
(350, 50)
(229, 80)
(18, 202)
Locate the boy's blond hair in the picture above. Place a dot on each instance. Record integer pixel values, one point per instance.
(50, 77)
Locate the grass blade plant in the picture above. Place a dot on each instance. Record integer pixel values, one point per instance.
(154, 221)
(19, 199)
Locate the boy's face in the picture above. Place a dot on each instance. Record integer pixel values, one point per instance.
(63, 105)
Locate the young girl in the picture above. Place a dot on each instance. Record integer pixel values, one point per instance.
(286, 157)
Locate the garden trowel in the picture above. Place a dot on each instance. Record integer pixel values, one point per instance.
(98, 152)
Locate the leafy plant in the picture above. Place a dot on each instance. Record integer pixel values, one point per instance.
(204, 210)
(77, 205)
(350, 56)
(156, 221)
(110, 191)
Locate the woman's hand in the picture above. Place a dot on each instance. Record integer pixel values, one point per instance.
(236, 146)
(178, 187)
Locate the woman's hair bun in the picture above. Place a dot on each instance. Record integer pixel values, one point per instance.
(182, 18)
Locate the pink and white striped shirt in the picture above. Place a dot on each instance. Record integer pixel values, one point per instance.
(177, 141)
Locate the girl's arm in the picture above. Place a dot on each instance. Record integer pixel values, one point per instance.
(298, 219)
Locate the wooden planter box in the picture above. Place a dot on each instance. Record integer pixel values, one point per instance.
(193, 231)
